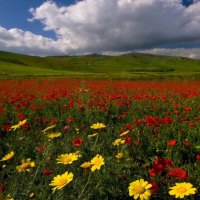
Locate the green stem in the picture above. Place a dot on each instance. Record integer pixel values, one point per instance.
(84, 187)
(95, 141)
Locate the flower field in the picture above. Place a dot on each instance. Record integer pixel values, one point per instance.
(97, 140)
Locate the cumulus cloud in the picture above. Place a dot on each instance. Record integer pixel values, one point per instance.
(17, 40)
(114, 25)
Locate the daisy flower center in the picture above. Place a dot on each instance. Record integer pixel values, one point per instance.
(62, 182)
(139, 189)
(181, 189)
(67, 159)
(25, 165)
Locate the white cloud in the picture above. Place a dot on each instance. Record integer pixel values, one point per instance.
(108, 25)
(182, 52)
(17, 40)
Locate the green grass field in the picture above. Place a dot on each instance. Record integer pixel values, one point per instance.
(127, 66)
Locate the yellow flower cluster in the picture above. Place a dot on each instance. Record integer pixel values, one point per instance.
(26, 165)
(141, 189)
(95, 163)
(118, 142)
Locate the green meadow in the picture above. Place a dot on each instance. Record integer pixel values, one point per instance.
(131, 66)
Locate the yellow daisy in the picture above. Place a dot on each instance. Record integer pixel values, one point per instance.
(26, 165)
(60, 181)
(8, 156)
(8, 197)
(97, 126)
(86, 165)
(54, 135)
(118, 142)
(119, 156)
(92, 135)
(97, 162)
(180, 190)
(18, 125)
(124, 133)
(67, 158)
(140, 189)
(48, 128)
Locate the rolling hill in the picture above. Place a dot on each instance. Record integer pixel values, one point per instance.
(127, 66)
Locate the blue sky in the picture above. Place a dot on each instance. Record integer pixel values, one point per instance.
(14, 14)
(102, 26)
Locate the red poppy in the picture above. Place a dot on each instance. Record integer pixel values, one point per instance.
(198, 157)
(65, 128)
(6, 128)
(176, 111)
(77, 142)
(156, 130)
(171, 143)
(186, 143)
(120, 117)
(2, 188)
(53, 121)
(127, 140)
(21, 116)
(47, 172)
(178, 173)
(188, 109)
(40, 148)
(160, 165)
(154, 187)
(192, 124)
(129, 127)
(70, 120)
(136, 142)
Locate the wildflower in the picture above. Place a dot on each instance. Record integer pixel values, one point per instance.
(67, 158)
(124, 133)
(8, 197)
(198, 157)
(2, 188)
(118, 142)
(70, 120)
(97, 162)
(48, 128)
(77, 142)
(18, 125)
(47, 172)
(140, 189)
(86, 165)
(26, 165)
(180, 190)
(160, 165)
(186, 143)
(8, 156)
(178, 173)
(54, 135)
(171, 143)
(61, 181)
(92, 135)
(127, 140)
(154, 188)
(6, 128)
(119, 156)
(40, 148)
(97, 126)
